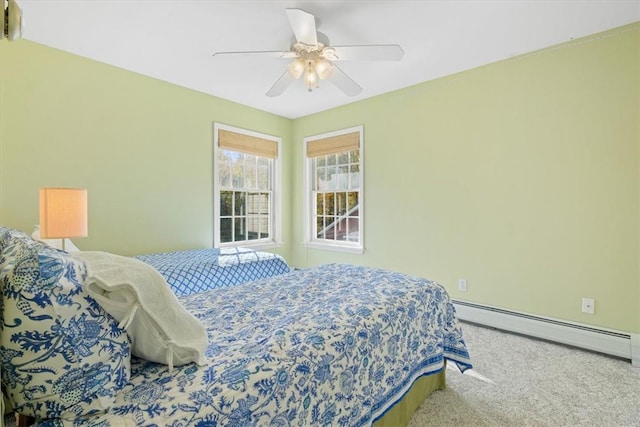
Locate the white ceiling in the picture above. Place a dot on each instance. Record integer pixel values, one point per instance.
(174, 40)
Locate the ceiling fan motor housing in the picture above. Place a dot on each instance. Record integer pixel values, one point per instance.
(313, 61)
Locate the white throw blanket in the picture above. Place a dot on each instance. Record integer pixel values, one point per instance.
(135, 294)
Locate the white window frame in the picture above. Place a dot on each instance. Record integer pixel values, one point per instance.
(310, 240)
(276, 200)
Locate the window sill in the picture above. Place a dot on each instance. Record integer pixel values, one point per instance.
(357, 250)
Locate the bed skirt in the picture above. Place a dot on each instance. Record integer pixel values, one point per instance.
(400, 414)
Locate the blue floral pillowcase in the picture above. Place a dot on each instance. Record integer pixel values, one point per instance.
(62, 355)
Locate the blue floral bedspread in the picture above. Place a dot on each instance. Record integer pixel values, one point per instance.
(199, 270)
(331, 345)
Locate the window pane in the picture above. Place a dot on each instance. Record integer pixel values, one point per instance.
(330, 228)
(264, 179)
(224, 169)
(331, 178)
(253, 227)
(250, 172)
(343, 178)
(321, 179)
(253, 203)
(319, 204)
(320, 227)
(321, 161)
(331, 159)
(343, 158)
(225, 203)
(256, 203)
(265, 211)
(354, 230)
(352, 200)
(225, 230)
(237, 170)
(329, 208)
(354, 156)
(239, 206)
(258, 207)
(240, 228)
(266, 203)
(341, 207)
(354, 176)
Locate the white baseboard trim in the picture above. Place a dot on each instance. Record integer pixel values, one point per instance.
(607, 341)
(635, 350)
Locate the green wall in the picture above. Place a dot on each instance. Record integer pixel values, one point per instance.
(520, 176)
(142, 147)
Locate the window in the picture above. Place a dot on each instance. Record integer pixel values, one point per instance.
(334, 207)
(245, 188)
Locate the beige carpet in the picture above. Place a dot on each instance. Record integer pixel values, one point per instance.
(529, 382)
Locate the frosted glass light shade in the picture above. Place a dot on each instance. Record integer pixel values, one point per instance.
(324, 68)
(296, 68)
(63, 213)
(310, 77)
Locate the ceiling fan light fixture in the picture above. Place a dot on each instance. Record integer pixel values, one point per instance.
(324, 68)
(310, 77)
(296, 68)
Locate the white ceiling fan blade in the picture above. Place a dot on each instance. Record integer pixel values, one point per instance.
(304, 26)
(271, 54)
(380, 52)
(280, 85)
(344, 82)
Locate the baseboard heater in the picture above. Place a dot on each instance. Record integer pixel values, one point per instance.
(605, 341)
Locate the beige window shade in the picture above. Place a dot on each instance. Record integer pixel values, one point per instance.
(228, 140)
(334, 144)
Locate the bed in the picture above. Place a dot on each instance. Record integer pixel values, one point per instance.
(199, 270)
(330, 345)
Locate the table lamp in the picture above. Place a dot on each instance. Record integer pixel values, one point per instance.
(63, 213)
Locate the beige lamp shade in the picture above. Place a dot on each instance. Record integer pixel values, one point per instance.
(63, 213)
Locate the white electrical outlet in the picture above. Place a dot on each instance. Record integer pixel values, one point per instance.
(462, 285)
(588, 305)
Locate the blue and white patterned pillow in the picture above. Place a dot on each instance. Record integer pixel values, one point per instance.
(62, 355)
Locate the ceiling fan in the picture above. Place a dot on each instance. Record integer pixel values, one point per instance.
(312, 57)
(11, 27)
